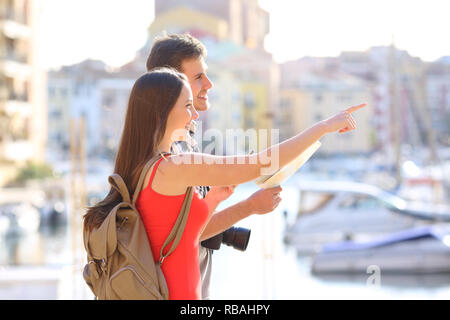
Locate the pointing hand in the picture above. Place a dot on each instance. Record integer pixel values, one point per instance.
(343, 121)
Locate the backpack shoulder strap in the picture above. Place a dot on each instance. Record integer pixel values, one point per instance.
(178, 228)
(117, 183)
(148, 166)
(180, 223)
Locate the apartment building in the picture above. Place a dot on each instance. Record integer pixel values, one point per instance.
(23, 113)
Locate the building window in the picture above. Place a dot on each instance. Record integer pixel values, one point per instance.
(249, 100)
(285, 103)
(318, 117)
(318, 98)
(344, 98)
(56, 114)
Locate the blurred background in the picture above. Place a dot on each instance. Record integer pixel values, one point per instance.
(367, 217)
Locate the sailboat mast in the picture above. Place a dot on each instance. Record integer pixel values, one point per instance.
(394, 115)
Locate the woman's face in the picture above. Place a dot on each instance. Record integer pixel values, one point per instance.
(181, 115)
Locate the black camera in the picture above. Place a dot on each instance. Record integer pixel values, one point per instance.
(235, 237)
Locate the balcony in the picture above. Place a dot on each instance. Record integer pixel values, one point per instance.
(14, 30)
(21, 150)
(11, 107)
(11, 66)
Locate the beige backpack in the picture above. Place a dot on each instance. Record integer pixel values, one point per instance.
(120, 261)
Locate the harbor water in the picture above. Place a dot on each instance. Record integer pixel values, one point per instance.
(40, 265)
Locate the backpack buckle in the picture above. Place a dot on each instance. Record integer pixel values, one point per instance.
(103, 266)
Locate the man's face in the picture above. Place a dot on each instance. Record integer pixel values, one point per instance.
(195, 70)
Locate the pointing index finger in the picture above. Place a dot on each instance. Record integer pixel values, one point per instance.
(354, 108)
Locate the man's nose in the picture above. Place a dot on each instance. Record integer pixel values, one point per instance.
(207, 83)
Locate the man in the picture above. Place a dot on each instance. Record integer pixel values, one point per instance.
(187, 54)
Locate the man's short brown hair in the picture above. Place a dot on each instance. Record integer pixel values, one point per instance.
(172, 50)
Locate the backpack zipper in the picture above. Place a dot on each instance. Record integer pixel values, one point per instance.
(132, 270)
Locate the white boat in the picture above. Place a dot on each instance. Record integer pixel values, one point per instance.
(356, 211)
(422, 250)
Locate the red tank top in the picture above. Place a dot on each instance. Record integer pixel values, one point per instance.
(159, 213)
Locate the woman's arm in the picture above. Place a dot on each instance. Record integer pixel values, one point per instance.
(192, 169)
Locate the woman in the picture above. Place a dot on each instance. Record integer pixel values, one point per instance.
(159, 112)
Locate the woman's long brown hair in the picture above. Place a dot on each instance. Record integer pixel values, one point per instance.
(152, 97)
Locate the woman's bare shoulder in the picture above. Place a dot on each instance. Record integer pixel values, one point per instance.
(163, 182)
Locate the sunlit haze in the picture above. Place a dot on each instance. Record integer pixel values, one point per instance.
(113, 31)
(327, 27)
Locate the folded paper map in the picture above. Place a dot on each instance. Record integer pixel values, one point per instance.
(270, 181)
